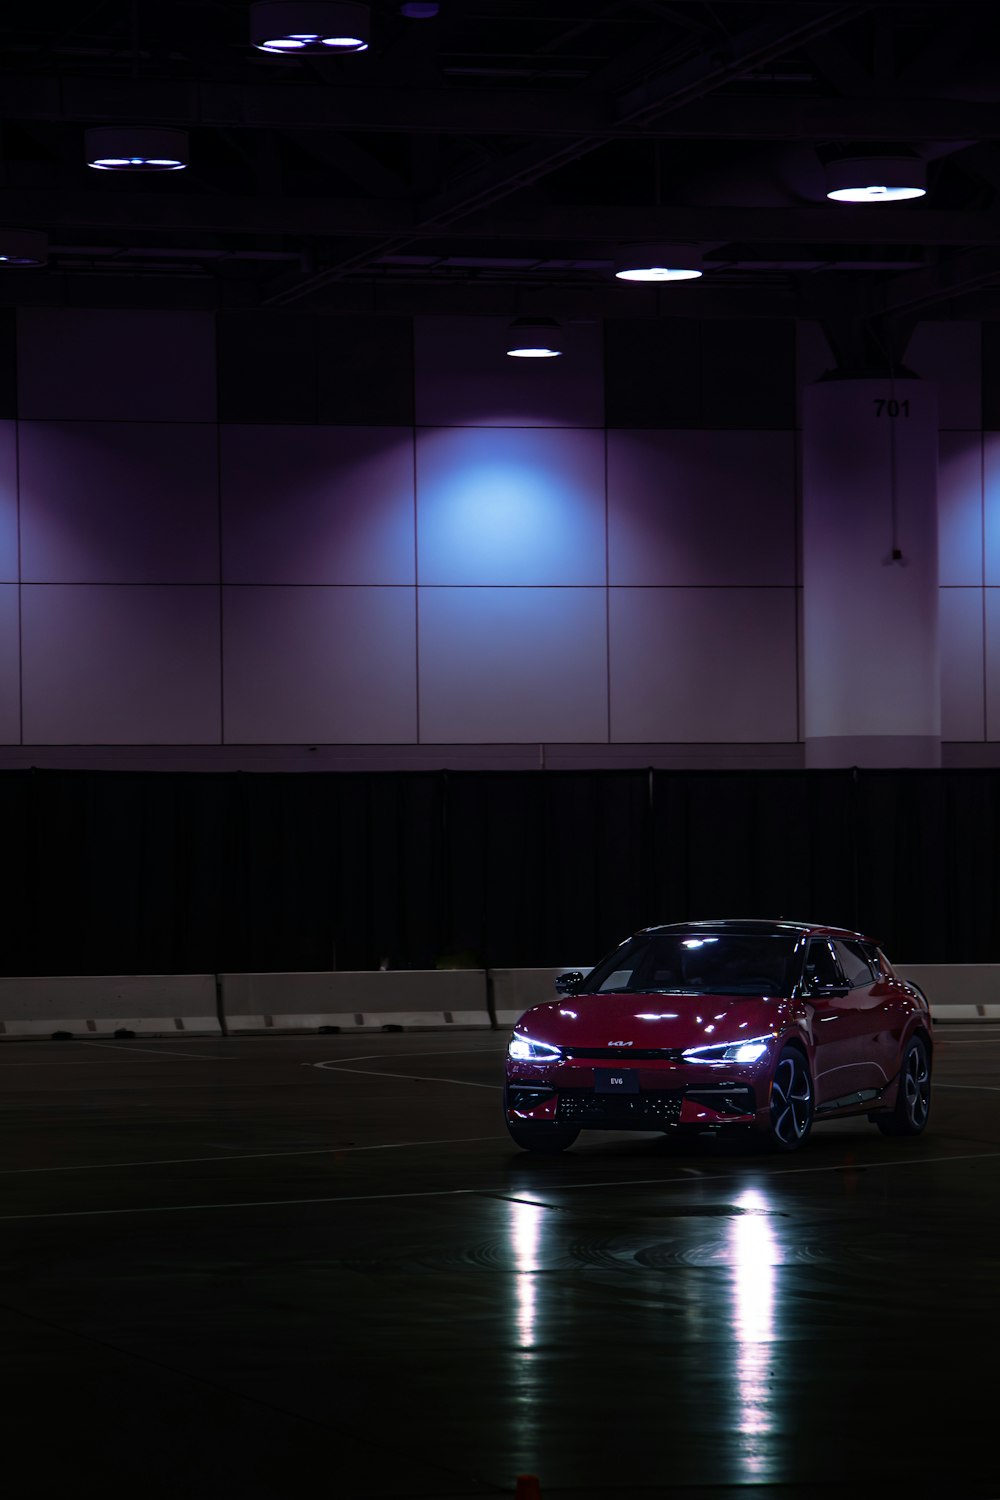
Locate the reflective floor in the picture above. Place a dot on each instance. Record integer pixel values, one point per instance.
(316, 1266)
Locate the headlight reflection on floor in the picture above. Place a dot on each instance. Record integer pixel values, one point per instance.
(525, 1230)
(756, 1253)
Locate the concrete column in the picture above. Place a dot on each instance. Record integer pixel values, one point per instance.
(871, 660)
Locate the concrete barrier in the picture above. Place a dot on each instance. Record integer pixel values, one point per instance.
(354, 1001)
(168, 1004)
(512, 991)
(958, 992)
(99, 1005)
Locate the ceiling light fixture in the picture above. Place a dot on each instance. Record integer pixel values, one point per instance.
(301, 28)
(419, 10)
(23, 247)
(533, 338)
(875, 179)
(136, 148)
(658, 262)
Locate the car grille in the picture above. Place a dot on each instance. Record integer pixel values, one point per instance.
(649, 1110)
(627, 1054)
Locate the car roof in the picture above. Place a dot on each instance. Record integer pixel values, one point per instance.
(748, 925)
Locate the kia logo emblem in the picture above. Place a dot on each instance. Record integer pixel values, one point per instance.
(619, 1044)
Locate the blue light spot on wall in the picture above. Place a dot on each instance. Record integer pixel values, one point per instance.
(504, 507)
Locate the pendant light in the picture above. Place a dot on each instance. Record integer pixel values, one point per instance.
(136, 148)
(533, 338)
(23, 247)
(875, 179)
(658, 262)
(302, 28)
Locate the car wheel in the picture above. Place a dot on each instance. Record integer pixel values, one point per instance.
(913, 1097)
(790, 1114)
(539, 1135)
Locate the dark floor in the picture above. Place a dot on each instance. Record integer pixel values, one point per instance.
(315, 1266)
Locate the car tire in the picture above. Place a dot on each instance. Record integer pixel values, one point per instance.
(913, 1097)
(539, 1135)
(790, 1103)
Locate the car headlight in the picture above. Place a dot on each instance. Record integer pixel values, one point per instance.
(748, 1051)
(524, 1049)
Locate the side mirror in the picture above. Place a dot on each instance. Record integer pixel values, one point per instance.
(568, 983)
(829, 991)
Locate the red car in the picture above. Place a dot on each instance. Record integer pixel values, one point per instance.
(722, 1025)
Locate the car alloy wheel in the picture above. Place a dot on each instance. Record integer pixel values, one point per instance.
(913, 1098)
(791, 1108)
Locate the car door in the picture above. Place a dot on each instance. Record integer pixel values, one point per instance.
(826, 991)
(878, 1014)
(853, 1019)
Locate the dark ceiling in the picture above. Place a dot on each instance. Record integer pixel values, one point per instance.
(490, 160)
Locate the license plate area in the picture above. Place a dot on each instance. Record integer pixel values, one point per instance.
(616, 1080)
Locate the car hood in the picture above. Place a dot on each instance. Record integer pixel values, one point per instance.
(650, 1020)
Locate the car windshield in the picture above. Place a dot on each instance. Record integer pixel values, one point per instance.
(691, 963)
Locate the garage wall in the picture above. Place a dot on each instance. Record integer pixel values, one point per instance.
(268, 530)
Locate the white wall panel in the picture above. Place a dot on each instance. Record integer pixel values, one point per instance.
(510, 665)
(960, 508)
(700, 508)
(8, 503)
(320, 665)
(511, 507)
(962, 664)
(128, 365)
(464, 377)
(10, 669)
(703, 665)
(950, 355)
(991, 507)
(317, 504)
(120, 665)
(870, 624)
(119, 502)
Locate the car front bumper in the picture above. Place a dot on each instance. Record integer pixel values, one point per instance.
(651, 1097)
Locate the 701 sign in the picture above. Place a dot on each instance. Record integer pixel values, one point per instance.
(891, 407)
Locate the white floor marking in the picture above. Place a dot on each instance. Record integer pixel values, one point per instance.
(221, 1057)
(336, 1062)
(149, 1051)
(180, 1208)
(408, 1077)
(55, 1063)
(490, 1191)
(181, 1161)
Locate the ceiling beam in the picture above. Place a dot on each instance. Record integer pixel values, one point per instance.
(824, 298)
(694, 78)
(82, 287)
(484, 111)
(953, 277)
(585, 226)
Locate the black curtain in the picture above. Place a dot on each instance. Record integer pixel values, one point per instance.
(163, 873)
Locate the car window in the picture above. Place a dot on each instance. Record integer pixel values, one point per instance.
(698, 962)
(855, 964)
(880, 963)
(619, 979)
(822, 970)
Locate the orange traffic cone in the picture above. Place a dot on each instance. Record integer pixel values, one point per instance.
(527, 1488)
